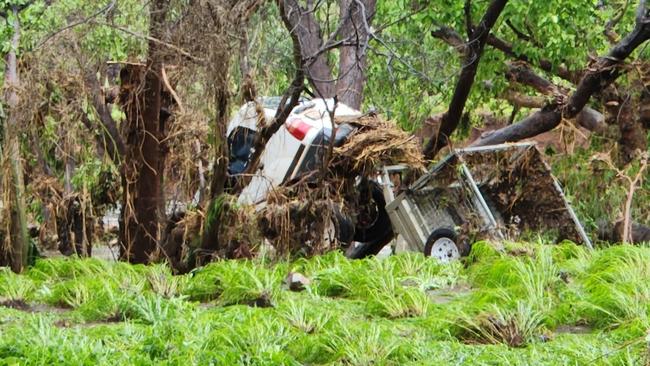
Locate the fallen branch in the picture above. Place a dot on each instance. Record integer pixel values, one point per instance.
(597, 77)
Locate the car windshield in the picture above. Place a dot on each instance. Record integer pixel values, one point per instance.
(274, 102)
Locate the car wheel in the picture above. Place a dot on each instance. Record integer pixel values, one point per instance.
(373, 229)
(339, 229)
(443, 244)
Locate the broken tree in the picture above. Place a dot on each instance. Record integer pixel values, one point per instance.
(142, 175)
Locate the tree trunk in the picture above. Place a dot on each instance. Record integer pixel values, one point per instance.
(596, 78)
(357, 16)
(210, 239)
(142, 174)
(18, 235)
(476, 44)
(110, 136)
(304, 25)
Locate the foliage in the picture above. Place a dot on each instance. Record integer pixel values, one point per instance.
(507, 304)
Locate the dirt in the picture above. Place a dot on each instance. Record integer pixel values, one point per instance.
(573, 329)
(522, 190)
(445, 296)
(17, 304)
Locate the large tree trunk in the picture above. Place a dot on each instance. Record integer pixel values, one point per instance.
(475, 46)
(596, 78)
(142, 174)
(356, 16)
(18, 229)
(304, 25)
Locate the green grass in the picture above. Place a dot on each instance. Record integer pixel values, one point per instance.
(504, 305)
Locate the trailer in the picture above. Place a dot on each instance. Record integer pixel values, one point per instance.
(488, 192)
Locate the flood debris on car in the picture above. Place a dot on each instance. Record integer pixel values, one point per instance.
(328, 209)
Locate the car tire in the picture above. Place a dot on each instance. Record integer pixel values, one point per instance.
(372, 238)
(444, 244)
(344, 229)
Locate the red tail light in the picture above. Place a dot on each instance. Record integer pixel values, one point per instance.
(298, 128)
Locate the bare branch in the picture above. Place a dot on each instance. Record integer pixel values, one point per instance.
(86, 20)
(288, 102)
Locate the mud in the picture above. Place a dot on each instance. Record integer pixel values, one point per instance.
(17, 304)
(521, 188)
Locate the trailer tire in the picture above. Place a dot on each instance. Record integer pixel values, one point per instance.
(444, 244)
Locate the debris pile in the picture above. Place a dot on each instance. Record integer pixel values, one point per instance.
(297, 220)
(520, 186)
(374, 143)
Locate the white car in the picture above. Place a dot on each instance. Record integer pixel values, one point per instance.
(297, 148)
(292, 150)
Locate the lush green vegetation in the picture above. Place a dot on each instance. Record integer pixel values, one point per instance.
(516, 304)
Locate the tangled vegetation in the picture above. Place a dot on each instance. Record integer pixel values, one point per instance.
(511, 304)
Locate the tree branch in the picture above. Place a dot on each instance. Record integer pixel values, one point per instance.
(110, 135)
(302, 24)
(451, 37)
(469, 24)
(292, 95)
(596, 77)
(521, 35)
(476, 45)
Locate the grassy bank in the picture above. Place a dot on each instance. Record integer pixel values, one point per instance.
(518, 305)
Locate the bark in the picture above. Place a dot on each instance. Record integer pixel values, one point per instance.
(452, 38)
(210, 239)
(596, 77)
(302, 23)
(522, 74)
(588, 118)
(109, 137)
(18, 234)
(142, 173)
(525, 101)
(357, 16)
(476, 44)
(544, 64)
(219, 65)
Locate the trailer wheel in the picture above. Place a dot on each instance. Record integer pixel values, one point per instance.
(443, 244)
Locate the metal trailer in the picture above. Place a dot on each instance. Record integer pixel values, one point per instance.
(479, 193)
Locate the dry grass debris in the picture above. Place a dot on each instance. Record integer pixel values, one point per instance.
(376, 142)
